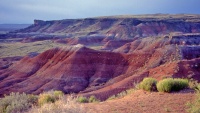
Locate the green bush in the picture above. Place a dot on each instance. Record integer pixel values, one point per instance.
(93, 99)
(45, 98)
(16, 102)
(180, 84)
(170, 84)
(82, 99)
(165, 85)
(148, 84)
(194, 107)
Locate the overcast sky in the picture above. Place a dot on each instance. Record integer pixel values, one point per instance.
(25, 11)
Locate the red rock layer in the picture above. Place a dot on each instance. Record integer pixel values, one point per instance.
(90, 72)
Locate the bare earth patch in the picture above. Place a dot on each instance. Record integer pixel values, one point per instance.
(144, 102)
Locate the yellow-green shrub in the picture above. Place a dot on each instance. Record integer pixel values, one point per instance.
(148, 84)
(180, 84)
(170, 84)
(49, 97)
(82, 99)
(93, 99)
(193, 84)
(165, 85)
(58, 94)
(45, 98)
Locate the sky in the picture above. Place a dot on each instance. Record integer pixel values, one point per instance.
(25, 11)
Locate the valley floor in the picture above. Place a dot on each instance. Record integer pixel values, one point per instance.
(145, 102)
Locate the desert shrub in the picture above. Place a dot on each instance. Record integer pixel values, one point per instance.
(58, 94)
(198, 88)
(130, 91)
(16, 102)
(136, 86)
(63, 105)
(180, 84)
(45, 98)
(82, 99)
(194, 107)
(148, 84)
(49, 97)
(193, 83)
(170, 84)
(121, 94)
(93, 99)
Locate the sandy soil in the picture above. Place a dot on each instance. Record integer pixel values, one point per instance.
(144, 102)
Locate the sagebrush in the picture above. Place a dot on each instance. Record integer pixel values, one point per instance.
(49, 97)
(16, 102)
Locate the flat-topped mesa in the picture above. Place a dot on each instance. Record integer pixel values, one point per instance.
(119, 26)
(38, 22)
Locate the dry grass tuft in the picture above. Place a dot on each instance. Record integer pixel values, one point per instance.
(63, 105)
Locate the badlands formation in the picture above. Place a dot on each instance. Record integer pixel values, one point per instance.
(99, 56)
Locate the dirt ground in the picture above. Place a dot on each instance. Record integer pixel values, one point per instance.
(144, 102)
